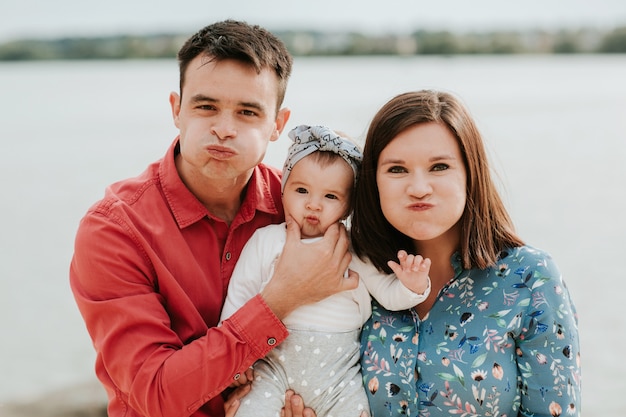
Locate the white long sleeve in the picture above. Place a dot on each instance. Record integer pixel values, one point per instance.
(388, 290)
(343, 311)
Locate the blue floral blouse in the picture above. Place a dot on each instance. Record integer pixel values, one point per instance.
(497, 342)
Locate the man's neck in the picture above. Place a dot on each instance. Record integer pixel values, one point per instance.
(223, 199)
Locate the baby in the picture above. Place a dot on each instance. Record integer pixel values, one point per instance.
(320, 358)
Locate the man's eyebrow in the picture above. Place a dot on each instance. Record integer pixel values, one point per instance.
(253, 105)
(200, 98)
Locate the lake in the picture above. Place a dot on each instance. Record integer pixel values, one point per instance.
(554, 125)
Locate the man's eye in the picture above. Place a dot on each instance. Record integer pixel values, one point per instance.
(248, 113)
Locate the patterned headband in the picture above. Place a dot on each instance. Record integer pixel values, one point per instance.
(309, 139)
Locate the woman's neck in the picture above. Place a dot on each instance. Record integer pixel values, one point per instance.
(440, 251)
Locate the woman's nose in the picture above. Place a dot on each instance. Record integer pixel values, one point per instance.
(419, 186)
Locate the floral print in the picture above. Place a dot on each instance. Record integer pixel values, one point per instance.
(497, 342)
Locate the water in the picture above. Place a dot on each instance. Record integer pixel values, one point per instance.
(554, 127)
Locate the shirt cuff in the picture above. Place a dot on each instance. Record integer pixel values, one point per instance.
(418, 298)
(259, 326)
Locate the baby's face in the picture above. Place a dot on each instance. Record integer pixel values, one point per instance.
(317, 196)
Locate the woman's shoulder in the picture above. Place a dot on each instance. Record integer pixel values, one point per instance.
(528, 263)
(527, 252)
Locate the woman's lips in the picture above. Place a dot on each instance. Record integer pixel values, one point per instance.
(420, 206)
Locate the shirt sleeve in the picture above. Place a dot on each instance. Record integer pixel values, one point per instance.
(387, 289)
(140, 355)
(548, 348)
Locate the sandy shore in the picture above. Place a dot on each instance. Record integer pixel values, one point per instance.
(87, 400)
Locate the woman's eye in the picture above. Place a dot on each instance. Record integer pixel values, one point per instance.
(396, 170)
(441, 167)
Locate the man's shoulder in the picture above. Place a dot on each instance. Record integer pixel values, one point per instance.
(271, 170)
(271, 175)
(129, 191)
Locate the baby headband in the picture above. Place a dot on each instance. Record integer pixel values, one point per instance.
(309, 139)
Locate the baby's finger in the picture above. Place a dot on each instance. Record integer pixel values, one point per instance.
(395, 267)
(408, 262)
(417, 262)
(425, 265)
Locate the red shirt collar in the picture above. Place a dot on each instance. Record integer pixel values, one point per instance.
(187, 209)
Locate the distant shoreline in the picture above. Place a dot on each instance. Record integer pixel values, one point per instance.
(317, 43)
(83, 400)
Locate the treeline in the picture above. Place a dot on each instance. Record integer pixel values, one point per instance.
(312, 43)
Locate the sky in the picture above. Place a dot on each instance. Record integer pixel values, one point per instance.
(66, 18)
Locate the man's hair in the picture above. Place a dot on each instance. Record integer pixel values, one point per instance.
(240, 41)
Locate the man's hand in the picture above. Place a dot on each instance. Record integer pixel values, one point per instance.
(245, 378)
(309, 272)
(231, 405)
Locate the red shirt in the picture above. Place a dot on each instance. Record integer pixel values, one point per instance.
(150, 273)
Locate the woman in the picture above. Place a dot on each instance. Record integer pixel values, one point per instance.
(498, 334)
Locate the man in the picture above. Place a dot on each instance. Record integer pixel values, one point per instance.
(153, 258)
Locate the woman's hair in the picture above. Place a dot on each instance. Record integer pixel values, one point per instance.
(486, 227)
(250, 44)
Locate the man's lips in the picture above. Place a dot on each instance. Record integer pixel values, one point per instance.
(220, 152)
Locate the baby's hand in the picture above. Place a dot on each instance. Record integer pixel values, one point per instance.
(412, 271)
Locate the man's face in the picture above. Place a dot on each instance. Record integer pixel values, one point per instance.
(226, 117)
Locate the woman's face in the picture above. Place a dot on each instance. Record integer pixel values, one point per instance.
(421, 181)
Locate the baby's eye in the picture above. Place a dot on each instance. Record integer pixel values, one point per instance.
(301, 190)
(331, 196)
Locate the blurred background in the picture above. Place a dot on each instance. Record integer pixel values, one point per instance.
(85, 88)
